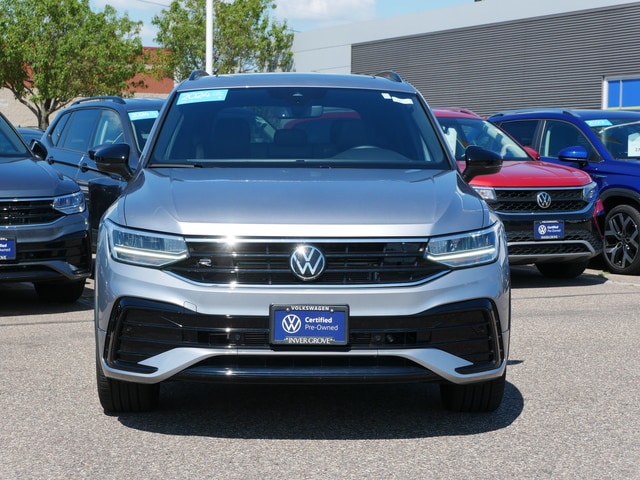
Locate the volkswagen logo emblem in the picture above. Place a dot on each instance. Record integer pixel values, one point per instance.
(307, 262)
(291, 323)
(543, 199)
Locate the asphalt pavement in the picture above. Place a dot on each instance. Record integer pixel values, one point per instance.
(570, 409)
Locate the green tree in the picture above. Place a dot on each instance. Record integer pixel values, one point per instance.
(52, 51)
(245, 38)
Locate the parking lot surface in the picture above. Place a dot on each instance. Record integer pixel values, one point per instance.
(570, 407)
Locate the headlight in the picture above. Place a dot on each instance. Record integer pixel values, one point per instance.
(70, 204)
(467, 249)
(589, 192)
(147, 249)
(488, 194)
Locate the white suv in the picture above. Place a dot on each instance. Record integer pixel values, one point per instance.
(300, 228)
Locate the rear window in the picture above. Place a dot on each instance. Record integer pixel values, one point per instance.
(298, 126)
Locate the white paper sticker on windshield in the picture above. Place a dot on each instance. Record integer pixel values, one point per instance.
(633, 145)
(143, 115)
(201, 96)
(601, 122)
(404, 101)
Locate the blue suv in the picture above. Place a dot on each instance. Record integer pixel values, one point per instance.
(605, 144)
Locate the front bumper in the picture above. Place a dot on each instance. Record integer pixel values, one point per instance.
(152, 326)
(48, 252)
(152, 342)
(581, 241)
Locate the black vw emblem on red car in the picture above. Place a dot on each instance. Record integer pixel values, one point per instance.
(307, 262)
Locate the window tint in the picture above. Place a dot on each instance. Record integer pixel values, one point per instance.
(110, 129)
(558, 135)
(522, 130)
(78, 131)
(463, 132)
(305, 124)
(620, 136)
(59, 128)
(141, 130)
(10, 143)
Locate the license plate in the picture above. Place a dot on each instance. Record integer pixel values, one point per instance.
(7, 248)
(548, 230)
(308, 325)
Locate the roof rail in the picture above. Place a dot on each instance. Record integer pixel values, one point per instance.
(513, 111)
(112, 98)
(458, 110)
(390, 75)
(196, 74)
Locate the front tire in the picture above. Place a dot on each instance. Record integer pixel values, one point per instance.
(476, 397)
(622, 240)
(563, 269)
(117, 396)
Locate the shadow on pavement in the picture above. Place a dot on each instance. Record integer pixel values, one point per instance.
(20, 299)
(316, 412)
(529, 277)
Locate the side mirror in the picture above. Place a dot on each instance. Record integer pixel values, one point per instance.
(480, 161)
(38, 149)
(575, 153)
(113, 158)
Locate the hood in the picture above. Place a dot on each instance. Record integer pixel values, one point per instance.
(25, 177)
(523, 174)
(300, 202)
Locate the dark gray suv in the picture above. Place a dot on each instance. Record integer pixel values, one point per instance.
(300, 228)
(91, 122)
(44, 227)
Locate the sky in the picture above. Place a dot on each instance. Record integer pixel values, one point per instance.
(300, 15)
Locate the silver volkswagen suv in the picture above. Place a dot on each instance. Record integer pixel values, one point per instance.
(300, 228)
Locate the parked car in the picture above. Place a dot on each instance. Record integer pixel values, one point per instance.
(605, 144)
(247, 250)
(90, 122)
(44, 228)
(549, 211)
(29, 134)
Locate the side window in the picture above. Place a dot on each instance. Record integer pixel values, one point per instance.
(59, 128)
(141, 130)
(78, 130)
(558, 135)
(110, 129)
(522, 130)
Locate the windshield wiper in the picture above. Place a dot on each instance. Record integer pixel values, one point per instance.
(175, 165)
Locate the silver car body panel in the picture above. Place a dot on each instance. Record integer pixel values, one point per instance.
(203, 201)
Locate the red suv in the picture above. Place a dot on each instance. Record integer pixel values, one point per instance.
(548, 210)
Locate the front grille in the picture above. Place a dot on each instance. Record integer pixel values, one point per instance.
(142, 329)
(28, 212)
(73, 249)
(575, 241)
(267, 263)
(524, 200)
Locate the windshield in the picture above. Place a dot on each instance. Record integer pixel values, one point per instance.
(619, 135)
(462, 132)
(11, 145)
(141, 123)
(297, 126)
